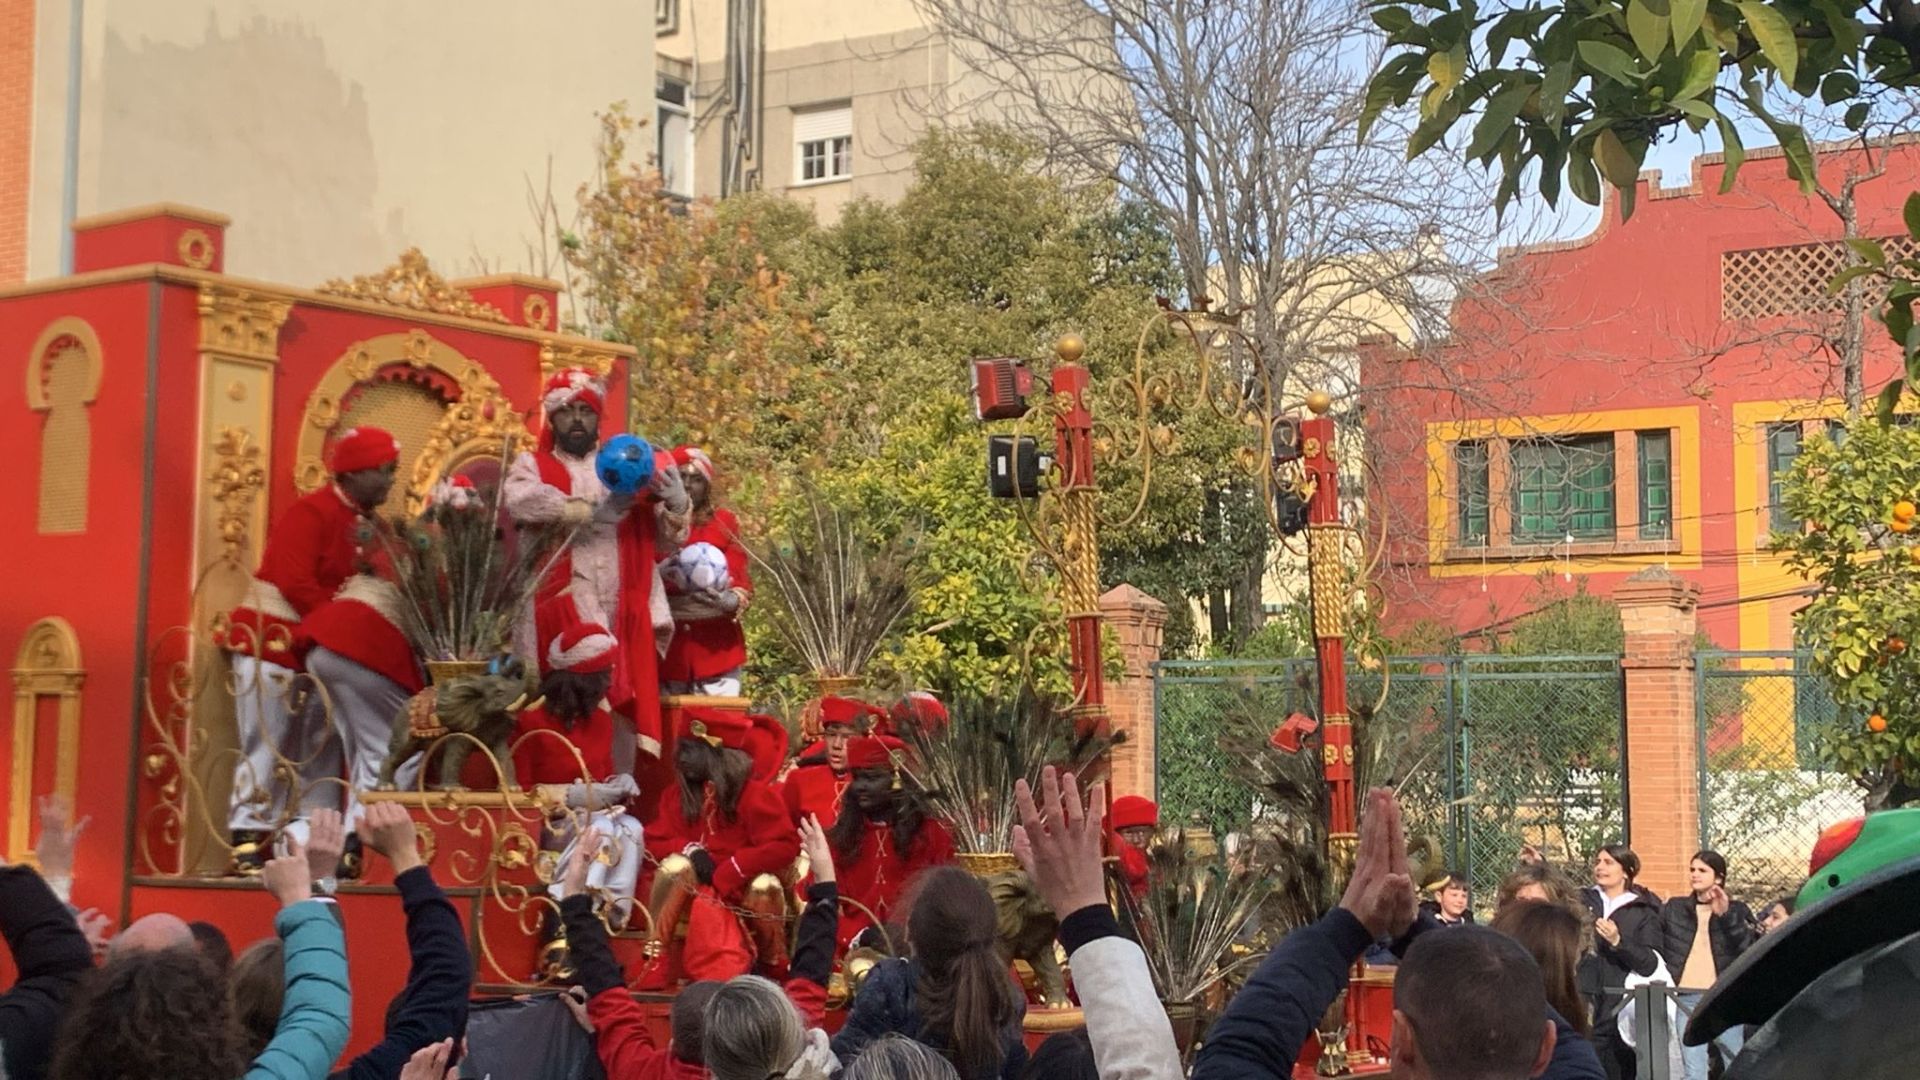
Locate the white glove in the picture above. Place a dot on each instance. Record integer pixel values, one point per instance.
(576, 512)
(672, 493)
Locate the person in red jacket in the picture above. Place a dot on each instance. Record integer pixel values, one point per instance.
(884, 836)
(1130, 824)
(317, 544)
(731, 827)
(820, 777)
(708, 648)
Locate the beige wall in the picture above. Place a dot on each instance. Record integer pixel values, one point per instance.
(878, 56)
(336, 134)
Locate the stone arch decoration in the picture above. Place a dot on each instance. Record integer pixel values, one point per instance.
(477, 420)
(63, 379)
(47, 666)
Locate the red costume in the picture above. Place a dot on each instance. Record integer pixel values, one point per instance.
(624, 1040)
(581, 649)
(876, 875)
(704, 649)
(1128, 812)
(314, 547)
(607, 575)
(362, 623)
(758, 838)
(813, 787)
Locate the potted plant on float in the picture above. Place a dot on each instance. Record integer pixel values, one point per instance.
(832, 590)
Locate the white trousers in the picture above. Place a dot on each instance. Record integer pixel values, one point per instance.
(726, 684)
(616, 866)
(365, 704)
(274, 740)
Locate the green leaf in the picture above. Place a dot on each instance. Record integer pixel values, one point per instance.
(1732, 153)
(1846, 277)
(1911, 212)
(1617, 163)
(1614, 63)
(1554, 90)
(1703, 67)
(1647, 27)
(1553, 163)
(1870, 251)
(1502, 110)
(1898, 318)
(1393, 19)
(1582, 178)
(1856, 117)
(1889, 398)
(1684, 17)
(1698, 110)
(1775, 35)
(1838, 86)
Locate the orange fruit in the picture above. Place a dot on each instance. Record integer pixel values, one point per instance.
(1904, 510)
(1900, 526)
(1876, 723)
(1896, 645)
(1914, 554)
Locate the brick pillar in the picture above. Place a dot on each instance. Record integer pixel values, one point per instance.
(1136, 621)
(1662, 761)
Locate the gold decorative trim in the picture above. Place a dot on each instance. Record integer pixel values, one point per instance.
(241, 323)
(47, 665)
(557, 356)
(239, 475)
(152, 210)
(482, 423)
(411, 283)
(65, 326)
(536, 311)
(196, 249)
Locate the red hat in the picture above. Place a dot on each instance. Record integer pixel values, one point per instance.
(874, 752)
(1288, 736)
(583, 647)
(363, 448)
(692, 457)
(922, 710)
(717, 727)
(571, 385)
(1132, 812)
(767, 745)
(849, 712)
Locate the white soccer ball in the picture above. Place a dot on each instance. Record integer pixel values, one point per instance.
(697, 567)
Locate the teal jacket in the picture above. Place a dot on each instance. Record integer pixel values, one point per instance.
(314, 1014)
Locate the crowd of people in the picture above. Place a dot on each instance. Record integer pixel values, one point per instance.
(1499, 1003)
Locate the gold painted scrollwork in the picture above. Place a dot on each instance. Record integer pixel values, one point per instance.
(482, 422)
(562, 357)
(196, 249)
(239, 475)
(47, 665)
(411, 283)
(536, 312)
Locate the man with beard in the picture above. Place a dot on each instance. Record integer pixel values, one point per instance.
(607, 575)
(819, 778)
(316, 545)
(884, 836)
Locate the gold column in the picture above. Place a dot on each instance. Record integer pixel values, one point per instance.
(48, 665)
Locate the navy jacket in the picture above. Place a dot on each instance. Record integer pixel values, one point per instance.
(886, 1004)
(51, 955)
(1273, 1015)
(438, 983)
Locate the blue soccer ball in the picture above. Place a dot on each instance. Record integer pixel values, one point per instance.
(625, 464)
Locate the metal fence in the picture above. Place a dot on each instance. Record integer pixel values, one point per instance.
(1489, 752)
(1765, 790)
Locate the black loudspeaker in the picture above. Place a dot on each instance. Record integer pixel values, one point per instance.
(1290, 511)
(1013, 467)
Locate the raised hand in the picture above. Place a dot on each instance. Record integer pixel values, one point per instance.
(1719, 899)
(1380, 893)
(1058, 841)
(59, 833)
(573, 879)
(288, 877)
(387, 828)
(98, 927)
(813, 841)
(326, 839)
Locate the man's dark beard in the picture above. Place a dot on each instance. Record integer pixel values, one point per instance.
(578, 442)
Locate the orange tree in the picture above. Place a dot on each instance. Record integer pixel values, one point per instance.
(1861, 550)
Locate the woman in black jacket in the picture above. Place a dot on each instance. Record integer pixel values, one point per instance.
(1703, 933)
(1626, 939)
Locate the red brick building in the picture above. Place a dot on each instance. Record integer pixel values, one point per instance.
(1627, 400)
